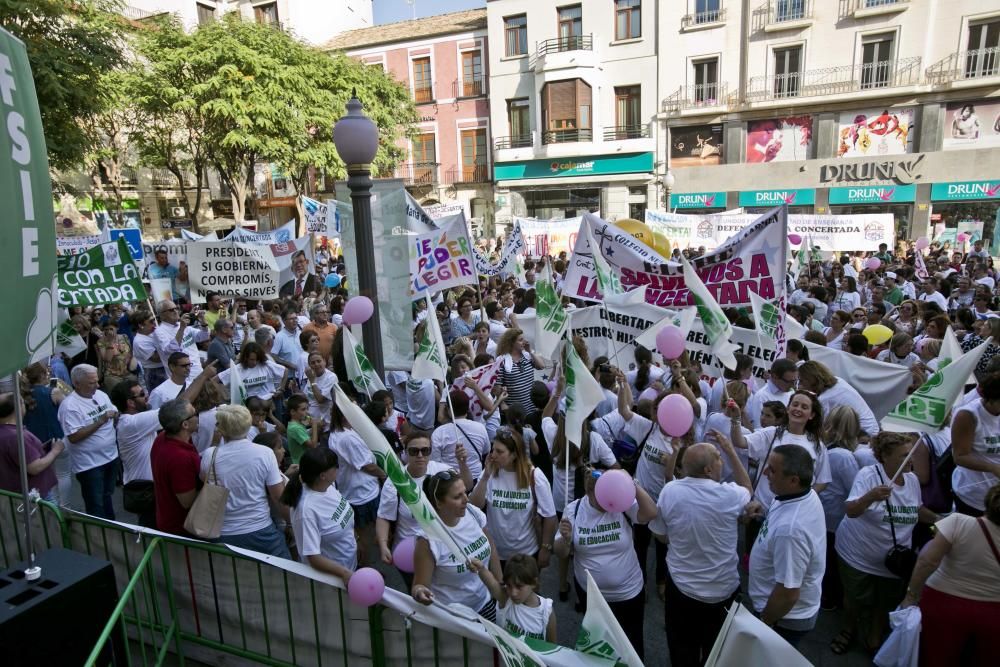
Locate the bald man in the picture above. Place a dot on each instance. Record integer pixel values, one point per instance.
(700, 515)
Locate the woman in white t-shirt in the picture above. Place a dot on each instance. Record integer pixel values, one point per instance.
(309, 340)
(601, 542)
(646, 374)
(882, 510)
(251, 475)
(322, 519)
(394, 516)
(438, 574)
(805, 424)
(839, 323)
(261, 377)
(975, 443)
(514, 493)
(319, 386)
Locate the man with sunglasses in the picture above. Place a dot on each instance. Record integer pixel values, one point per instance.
(175, 333)
(144, 349)
(179, 366)
(780, 385)
(137, 426)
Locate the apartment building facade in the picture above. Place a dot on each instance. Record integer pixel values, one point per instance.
(854, 106)
(444, 62)
(573, 104)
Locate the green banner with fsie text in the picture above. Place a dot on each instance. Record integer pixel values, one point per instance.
(27, 230)
(104, 274)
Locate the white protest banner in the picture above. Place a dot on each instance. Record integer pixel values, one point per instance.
(746, 640)
(247, 270)
(439, 211)
(282, 234)
(753, 260)
(188, 235)
(316, 215)
(74, 245)
(338, 215)
(882, 385)
(548, 237)
(176, 254)
(441, 259)
(417, 219)
(512, 247)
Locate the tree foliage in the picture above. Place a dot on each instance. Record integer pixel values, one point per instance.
(70, 44)
(237, 93)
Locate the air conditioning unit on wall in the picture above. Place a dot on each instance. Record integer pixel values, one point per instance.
(176, 211)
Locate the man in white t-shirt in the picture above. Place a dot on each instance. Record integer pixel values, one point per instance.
(932, 294)
(699, 515)
(462, 431)
(86, 418)
(789, 556)
(136, 429)
(421, 399)
(144, 349)
(179, 368)
(784, 374)
(175, 334)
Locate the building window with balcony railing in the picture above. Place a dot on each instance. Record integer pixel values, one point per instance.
(628, 19)
(206, 14)
(473, 156)
(628, 113)
(982, 57)
(519, 123)
(266, 14)
(566, 112)
(706, 81)
(422, 87)
(472, 74)
(789, 10)
(515, 30)
(570, 26)
(787, 71)
(423, 160)
(877, 60)
(707, 11)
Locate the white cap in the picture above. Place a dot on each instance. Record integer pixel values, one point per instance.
(890, 274)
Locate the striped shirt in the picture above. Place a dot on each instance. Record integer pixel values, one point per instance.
(518, 381)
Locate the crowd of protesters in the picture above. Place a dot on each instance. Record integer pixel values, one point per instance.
(789, 481)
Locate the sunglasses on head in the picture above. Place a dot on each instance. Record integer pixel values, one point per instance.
(443, 476)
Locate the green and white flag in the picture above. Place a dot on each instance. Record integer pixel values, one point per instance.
(607, 280)
(360, 371)
(514, 651)
(583, 393)
(600, 632)
(408, 490)
(551, 319)
(951, 349)
(926, 409)
(104, 274)
(718, 330)
(68, 341)
(683, 319)
(767, 315)
(431, 361)
(29, 289)
(237, 390)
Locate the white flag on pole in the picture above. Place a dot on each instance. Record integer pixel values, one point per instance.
(718, 329)
(360, 371)
(600, 632)
(431, 360)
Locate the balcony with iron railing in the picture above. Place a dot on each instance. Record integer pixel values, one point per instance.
(129, 177)
(860, 9)
(418, 173)
(787, 14)
(700, 96)
(165, 179)
(561, 44)
(567, 136)
(562, 53)
(624, 132)
(469, 173)
(515, 141)
(475, 87)
(136, 14)
(704, 19)
(966, 66)
(835, 80)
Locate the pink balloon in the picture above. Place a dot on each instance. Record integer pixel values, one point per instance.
(794, 239)
(358, 310)
(402, 555)
(675, 415)
(670, 342)
(366, 587)
(615, 491)
(922, 243)
(873, 263)
(962, 237)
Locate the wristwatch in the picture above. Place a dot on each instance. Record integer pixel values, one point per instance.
(547, 547)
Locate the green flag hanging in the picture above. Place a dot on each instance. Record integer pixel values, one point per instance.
(27, 235)
(103, 274)
(551, 319)
(360, 371)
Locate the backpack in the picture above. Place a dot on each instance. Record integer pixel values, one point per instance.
(627, 450)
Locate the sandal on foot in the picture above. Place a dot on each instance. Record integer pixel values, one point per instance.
(564, 594)
(842, 642)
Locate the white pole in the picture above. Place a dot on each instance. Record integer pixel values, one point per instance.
(33, 571)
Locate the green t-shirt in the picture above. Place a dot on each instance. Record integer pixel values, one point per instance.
(895, 296)
(298, 436)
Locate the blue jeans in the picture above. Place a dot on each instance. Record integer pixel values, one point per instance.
(97, 486)
(267, 540)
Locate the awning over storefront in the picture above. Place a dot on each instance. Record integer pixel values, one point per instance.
(590, 165)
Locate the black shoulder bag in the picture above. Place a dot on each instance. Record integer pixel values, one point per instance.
(900, 560)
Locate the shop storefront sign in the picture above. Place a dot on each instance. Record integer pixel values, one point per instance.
(902, 171)
(792, 197)
(630, 163)
(276, 202)
(698, 200)
(965, 190)
(873, 194)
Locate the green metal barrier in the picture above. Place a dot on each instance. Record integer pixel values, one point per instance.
(204, 599)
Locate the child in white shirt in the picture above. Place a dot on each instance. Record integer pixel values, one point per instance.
(520, 610)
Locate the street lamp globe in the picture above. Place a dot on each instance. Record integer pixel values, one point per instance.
(355, 135)
(668, 180)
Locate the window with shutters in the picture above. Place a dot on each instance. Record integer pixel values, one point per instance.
(628, 115)
(474, 155)
(566, 111)
(519, 119)
(570, 26)
(206, 14)
(628, 19)
(423, 159)
(877, 60)
(472, 74)
(982, 58)
(515, 30)
(266, 14)
(422, 87)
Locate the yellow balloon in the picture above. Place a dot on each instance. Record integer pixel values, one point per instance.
(661, 244)
(637, 229)
(877, 333)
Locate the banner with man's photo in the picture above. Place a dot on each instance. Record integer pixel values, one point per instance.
(974, 124)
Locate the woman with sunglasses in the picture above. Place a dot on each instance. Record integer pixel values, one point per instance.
(437, 575)
(601, 542)
(394, 517)
(518, 498)
(905, 317)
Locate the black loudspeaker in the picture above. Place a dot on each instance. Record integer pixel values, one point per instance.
(58, 618)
